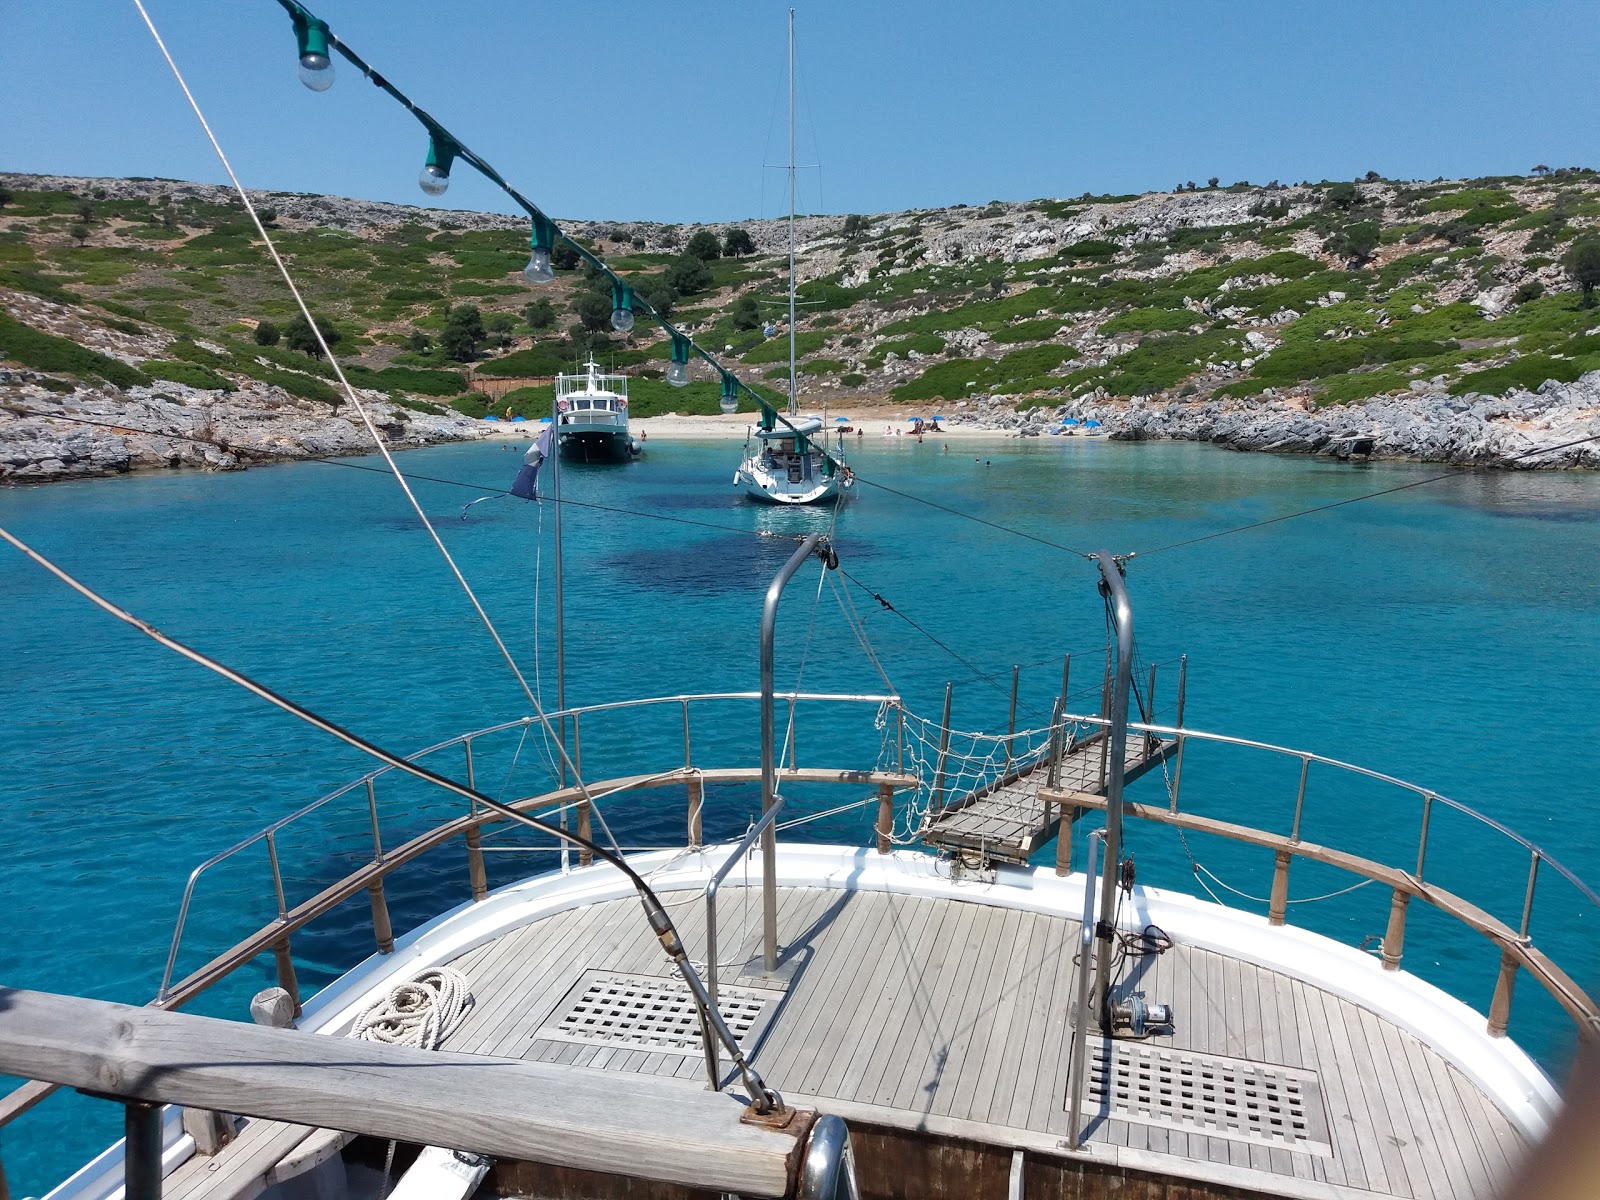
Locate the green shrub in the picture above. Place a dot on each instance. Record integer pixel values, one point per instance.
(923, 343)
(1154, 320)
(1038, 330)
(46, 352)
(1528, 372)
(423, 406)
(536, 360)
(407, 379)
(1091, 248)
(777, 349)
(471, 405)
(189, 374)
(852, 380)
(300, 385)
(1158, 363)
(821, 366)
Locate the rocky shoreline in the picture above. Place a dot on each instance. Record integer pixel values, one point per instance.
(1519, 430)
(47, 436)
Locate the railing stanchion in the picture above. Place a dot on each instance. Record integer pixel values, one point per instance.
(1527, 900)
(1394, 937)
(466, 744)
(687, 760)
(1422, 837)
(475, 870)
(277, 874)
(885, 817)
(789, 736)
(382, 930)
(141, 1153)
(1150, 710)
(1011, 721)
(1177, 723)
(1500, 1006)
(1278, 905)
(1052, 774)
(284, 961)
(1066, 680)
(1300, 797)
(697, 800)
(372, 812)
(585, 855)
(5, 1189)
(937, 806)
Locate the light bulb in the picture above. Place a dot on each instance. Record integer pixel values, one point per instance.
(434, 179)
(622, 320)
(316, 71)
(678, 374)
(538, 269)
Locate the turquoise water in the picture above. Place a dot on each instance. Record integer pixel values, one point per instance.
(1448, 634)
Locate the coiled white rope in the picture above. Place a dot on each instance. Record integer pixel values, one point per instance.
(421, 1012)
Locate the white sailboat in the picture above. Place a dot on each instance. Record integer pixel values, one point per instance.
(790, 463)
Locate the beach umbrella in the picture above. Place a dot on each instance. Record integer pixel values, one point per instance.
(842, 420)
(514, 420)
(938, 416)
(491, 417)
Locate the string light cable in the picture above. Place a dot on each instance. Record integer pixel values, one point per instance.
(316, 44)
(309, 43)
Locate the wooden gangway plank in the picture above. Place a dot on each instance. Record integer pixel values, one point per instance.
(1007, 821)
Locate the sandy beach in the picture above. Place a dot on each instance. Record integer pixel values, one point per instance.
(672, 427)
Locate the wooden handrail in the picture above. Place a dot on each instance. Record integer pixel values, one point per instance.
(635, 1125)
(1583, 1010)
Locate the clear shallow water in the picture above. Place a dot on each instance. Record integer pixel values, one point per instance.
(1448, 634)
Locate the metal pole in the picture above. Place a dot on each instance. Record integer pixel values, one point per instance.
(1177, 721)
(1113, 587)
(944, 750)
(1066, 678)
(561, 643)
(792, 405)
(1011, 721)
(1077, 1068)
(141, 1155)
(769, 840)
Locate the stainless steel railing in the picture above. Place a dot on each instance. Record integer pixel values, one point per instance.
(269, 834)
(1514, 935)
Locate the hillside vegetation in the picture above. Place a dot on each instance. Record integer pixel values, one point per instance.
(1329, 292)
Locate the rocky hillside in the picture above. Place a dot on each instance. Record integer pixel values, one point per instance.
(1183, 314)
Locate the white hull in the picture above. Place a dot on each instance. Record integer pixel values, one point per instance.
(775, 487)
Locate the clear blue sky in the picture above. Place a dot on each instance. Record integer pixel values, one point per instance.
(668, 111)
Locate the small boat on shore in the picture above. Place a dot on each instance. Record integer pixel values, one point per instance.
(592, 416)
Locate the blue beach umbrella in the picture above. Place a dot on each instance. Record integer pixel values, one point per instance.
(514, 420)
(490, 417)
(842, 420)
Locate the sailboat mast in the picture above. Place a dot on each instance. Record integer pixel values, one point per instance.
(792, 406)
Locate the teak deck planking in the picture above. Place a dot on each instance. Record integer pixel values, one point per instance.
(927, 1008)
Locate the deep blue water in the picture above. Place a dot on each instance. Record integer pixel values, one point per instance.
(1448, 634)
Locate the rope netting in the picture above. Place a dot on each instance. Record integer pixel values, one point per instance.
(951, 765)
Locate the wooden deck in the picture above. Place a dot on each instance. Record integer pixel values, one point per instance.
(950, 1016)
(1008, 822)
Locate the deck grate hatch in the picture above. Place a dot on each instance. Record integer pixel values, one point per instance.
(648, 1012)
(1229, 1098)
